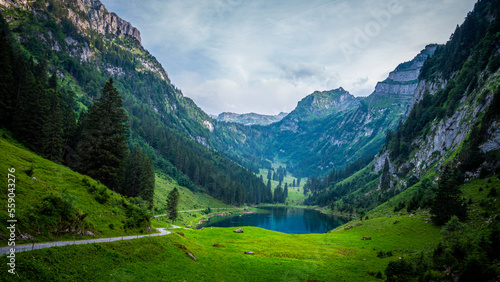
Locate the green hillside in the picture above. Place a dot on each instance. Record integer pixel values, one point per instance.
(188, 199)
(52, 202)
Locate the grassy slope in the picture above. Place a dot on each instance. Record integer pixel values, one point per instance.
(336, 256)
(188, 200)
(295, 194)
(56, 179)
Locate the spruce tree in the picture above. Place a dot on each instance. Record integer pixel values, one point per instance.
(139, 176)
(103, 145)
(269, 192)
(385, 178)
(285, 192)
(6, 81)
(53, 129)
(172, 202)
(278, 194)
(447, 201)
(31, 108)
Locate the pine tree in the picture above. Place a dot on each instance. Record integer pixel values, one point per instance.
(31, 107)
(285, 192)
(103, 147)
(278, 194)
(447, 201)
(172, 201)
(269, 192)
(6, 80)
(385, 178)
(53, 129)
(147, 180)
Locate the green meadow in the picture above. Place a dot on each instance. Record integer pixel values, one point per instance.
(340, 255)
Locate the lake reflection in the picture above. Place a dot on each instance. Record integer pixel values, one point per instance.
(282, 219)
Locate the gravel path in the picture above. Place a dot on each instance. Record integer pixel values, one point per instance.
(22, 248)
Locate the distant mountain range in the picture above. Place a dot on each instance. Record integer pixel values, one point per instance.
(250, 118)
(328, 129)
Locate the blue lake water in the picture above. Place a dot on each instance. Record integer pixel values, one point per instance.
(282, 219)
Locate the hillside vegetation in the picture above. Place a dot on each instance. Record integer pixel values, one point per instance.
(55, 203)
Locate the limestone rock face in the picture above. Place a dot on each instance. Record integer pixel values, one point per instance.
(404, 79)
(102, 21)
(109, 23)
(96, 17)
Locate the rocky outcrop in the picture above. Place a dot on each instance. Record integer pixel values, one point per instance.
(493, 142)
(97, 17)
(102, 21)
(445, 136)
(424, 87)
(24, 4)
(404, 79)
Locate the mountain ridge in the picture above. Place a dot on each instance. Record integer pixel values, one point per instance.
(250, 118)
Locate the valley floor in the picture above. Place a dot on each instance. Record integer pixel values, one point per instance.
(340, 255)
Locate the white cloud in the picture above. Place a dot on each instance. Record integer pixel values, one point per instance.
(264, 56)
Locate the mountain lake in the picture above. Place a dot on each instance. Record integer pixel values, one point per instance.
(282, 219)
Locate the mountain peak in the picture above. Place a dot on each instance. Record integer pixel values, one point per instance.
(87, 15)
(323, 103)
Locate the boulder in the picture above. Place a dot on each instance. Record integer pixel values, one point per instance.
(180, 246)
(249, 253)
(239, 230)
(190, 255)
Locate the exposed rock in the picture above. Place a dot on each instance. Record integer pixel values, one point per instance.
(190, 255)
(493, 142)
(249, 253)
(25, 236)
(180, 246)
(239, 230)
(108, 23)
(89, 233)
(208, 125)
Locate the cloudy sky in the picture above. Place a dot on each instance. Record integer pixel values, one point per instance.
(264, 56)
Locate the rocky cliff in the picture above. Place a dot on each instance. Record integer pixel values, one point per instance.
(454, 114)
(87, 14)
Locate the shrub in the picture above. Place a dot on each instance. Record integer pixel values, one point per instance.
(101, 195)
(29, 172)
(400, 270)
